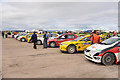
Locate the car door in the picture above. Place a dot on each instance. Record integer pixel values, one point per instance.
(118, 50)
(61, 39)
(84, 43)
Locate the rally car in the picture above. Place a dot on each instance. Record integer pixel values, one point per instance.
(40, 38)
(79, 44)
(107, 52)
(64, 37)
(19, 34)
(29, 40)
(22, 38)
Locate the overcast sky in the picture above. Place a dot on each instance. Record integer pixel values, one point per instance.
(59, 15)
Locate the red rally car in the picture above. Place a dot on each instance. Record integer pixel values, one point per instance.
(64, 37)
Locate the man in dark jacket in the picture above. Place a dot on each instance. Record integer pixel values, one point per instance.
(45, 39)
(34, 40)
(3, 34)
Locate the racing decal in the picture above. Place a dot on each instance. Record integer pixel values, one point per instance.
(82, 43)
(60, 39)
(98, 49)
(109, 48)
(93, 46)
(86, 43)
(113, 49)
(119, 49)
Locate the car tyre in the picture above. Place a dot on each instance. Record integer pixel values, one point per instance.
(52, 44)
(23, 40)
(39, 42)
(108, 59)
(71, 49)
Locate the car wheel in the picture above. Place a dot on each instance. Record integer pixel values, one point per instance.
(52, 44)
(23, 39)
(39, 42)
(71, 49)
(108, 59)
(30, 41)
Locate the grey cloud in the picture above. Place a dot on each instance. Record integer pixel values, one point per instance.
(58, 15)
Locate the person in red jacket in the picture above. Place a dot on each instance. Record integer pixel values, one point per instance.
(94, 38)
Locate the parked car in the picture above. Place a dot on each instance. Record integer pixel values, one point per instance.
(107, 52)
(64, 37)
(19, 34)
(40, 38)
(78, 44)
(29, 40)
(22, 38)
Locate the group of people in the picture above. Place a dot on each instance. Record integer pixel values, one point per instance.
(7, 34)
(94, 37)
(34, 40)
(112, 34)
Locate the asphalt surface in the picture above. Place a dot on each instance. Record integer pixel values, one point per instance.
(20, 60)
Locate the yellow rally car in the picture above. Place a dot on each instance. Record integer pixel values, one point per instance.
(28, 38)
(78, 44)
(22, 38)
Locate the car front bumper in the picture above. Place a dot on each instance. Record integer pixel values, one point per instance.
(90, 57)
(63, 48)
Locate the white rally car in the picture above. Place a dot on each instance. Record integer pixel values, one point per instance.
(19, 34)
(107, 52)
(51, 36)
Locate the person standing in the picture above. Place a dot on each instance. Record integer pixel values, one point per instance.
(12, 34)
(94, 38)
(45, 39)
(113, 34)
(3, 34)
(34, 40)
(108, 36)
(6, 35)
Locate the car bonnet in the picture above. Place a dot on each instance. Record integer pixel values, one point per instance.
(99, 47)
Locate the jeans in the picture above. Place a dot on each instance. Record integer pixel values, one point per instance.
(35, 47)
(45, 43)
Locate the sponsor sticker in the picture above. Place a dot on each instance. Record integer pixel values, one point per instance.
(93, 46)
(119, 49)
(86, 43)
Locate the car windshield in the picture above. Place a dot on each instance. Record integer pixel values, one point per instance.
(110, 40)
(78, 38)
(29, 35)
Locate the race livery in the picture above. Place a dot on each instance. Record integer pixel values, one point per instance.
(29, 40)
(107, 52)
(40, 38)
(22, 37)
(64, 37)
(78, 44)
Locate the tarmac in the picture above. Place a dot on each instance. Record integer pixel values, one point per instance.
(20, 60)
